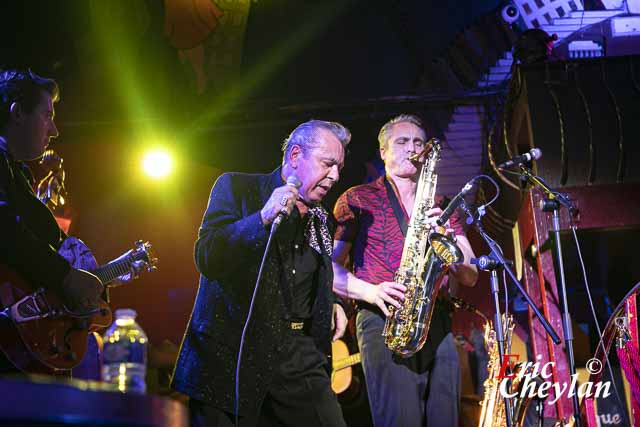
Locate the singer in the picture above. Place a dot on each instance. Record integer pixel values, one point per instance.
(425, 388)
(283, 375)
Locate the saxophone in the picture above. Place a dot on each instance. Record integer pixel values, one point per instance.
(426, 257)
(492, 413)
(493, 405)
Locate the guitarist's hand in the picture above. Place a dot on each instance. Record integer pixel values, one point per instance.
(339, 321)
(135, 269)
(81, 290)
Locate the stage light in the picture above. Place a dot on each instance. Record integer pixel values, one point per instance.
(157, 164)
(510, 14)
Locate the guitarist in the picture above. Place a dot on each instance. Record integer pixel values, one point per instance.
(30, 234)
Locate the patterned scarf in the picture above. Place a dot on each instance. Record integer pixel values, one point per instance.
(317, 227)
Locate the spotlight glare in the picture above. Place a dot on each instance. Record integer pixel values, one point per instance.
(157, 164)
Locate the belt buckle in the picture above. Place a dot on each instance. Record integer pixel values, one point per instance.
(296, 326)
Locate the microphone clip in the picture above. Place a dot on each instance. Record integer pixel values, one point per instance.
(473, 216)
(488, 262)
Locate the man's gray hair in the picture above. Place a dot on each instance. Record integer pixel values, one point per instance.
(383, 136)
(304, 136)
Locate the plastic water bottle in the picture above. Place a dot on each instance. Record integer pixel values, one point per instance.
(125, 354)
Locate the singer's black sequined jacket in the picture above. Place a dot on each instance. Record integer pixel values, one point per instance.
(228, 252)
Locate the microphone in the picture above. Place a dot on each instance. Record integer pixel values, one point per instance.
(485, 262)
(454, 203)
(533, 154)
(293, 181)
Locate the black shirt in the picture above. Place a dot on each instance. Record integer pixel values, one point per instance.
(305, 261)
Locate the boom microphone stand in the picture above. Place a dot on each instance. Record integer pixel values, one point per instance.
(489, 263)
(552, 204)
(497, 260)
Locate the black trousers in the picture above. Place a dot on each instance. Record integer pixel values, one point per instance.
(299, 395)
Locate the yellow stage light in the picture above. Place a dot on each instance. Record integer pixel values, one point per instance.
(157, 164)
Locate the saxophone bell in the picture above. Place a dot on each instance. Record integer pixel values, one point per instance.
(445, 248)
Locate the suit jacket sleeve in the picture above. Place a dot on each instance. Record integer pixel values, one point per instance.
(229, 237)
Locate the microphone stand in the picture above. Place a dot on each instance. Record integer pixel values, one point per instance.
(552, 204)
(496, 254)
(498, 327)
(501, 262)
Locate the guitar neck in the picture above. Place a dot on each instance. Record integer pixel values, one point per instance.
(346, 362)
(109, 272)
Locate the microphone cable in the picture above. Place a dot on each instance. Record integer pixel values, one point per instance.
(246, 326)
(623, 406)
(295, 182)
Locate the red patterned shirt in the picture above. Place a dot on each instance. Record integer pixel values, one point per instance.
(366, 219)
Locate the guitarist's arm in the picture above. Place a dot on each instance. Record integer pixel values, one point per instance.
(32, 256)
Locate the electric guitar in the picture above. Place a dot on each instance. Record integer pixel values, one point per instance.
(38, 333)
(342, 362)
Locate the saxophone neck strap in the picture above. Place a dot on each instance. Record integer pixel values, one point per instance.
(397, 209)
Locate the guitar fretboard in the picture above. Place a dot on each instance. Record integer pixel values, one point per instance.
(109, 272)
(346, 362)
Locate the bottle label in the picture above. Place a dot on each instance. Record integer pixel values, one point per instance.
(124, 352)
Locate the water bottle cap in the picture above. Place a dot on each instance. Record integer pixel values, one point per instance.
(126, 313)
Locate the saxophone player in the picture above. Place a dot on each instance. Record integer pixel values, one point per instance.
(424, 389)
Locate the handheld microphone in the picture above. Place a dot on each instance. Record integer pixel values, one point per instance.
(293, 181)
(454, 203)
(533, 154)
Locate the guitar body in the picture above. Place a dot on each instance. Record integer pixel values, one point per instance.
(40, 336)
(340, 378)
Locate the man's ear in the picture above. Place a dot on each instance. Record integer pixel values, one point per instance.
(16, 112)
(294, 156)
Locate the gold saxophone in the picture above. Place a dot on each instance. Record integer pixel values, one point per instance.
(426, 257)
(492, 413)
(493, 410)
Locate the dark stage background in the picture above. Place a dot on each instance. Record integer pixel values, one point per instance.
(129, 80)
(221, 83)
